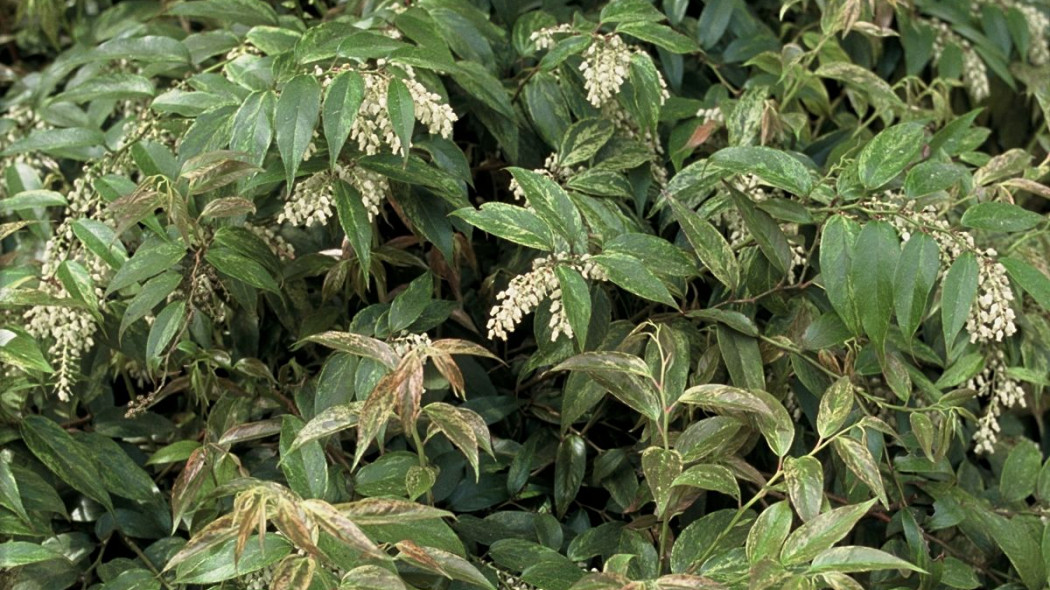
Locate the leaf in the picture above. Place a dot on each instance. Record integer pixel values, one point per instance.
(448, 419)
(297, 112)
(510, 222)
(1033, 281)
(626, 376)
(119, 473)
(305, 468)
(442, 562)
(65, 457)
(148, 261)
(774, 167)
(371, 577)
(356, 224)
(328, 422)
(629, 273)
(1020, 471)
(382, 511)
(1000, 217)
(583, 139)
(59, 142)
(767, 535)
(10, 497)
(958, 293)
(243, 268)
(874, 262)
(661, 467)
(888, 153)
(576, 299)
(858, 459)
(710, 246)
(913, 281)
(402, 112)
(707, 476)
(836, 261)
(164, 329)
(406, 308)
(253, 126)
(1017, 543)
(852, 559)
(341, 104)
(805, 483)
(569, 466)
(820, 533)
(355, 344)
(153, 292)
(334, 522)
(835, 406)
(18, 553)
(773, 420)
(660, 35)
(550, 202)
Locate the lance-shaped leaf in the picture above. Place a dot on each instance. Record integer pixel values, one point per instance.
(835, 407)
(626, 376)
(379, 407)
(295, 573)
(330, 421)
(859, 460)
(820, 533)
(913, 281)
(710, 246)
(65, 457)
(553, 205)
(442, 563)
(661, 467)
(805, 483)
(888, 153)
(958, 292)
(297, 112)
(851, 559)
(334, 522)
(569, 466)
(447, 419)
(708, 476)
(874, 262)
(341, 103)
(836, 261)
(355, 344)
(767, 535)
(380, 511)
(372, 577)
(512, 223)
(772, 419)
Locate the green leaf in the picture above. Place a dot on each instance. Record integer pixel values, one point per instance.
(253, 126)
(510, 222)
(32, 199)
(625, 375)
(1033, 281)
(1000, 217)
(625, 11)
(236, 265)
(913, 281)
(1017, 543)
(958, 292)
(114, 86)
(629, 273)
(583, 140)
(10, 496)
(851, 559)
(710, 246)
(774, 167)
(552, 204)
(442, 562)
(874, 262)
(714, 20)
(742, 358)
(707, 476)
(1020, 471)
(149, 260)
(402, 112)
(297, 112)
(858, 459)
(835, 406)
(660, 35)
(836, 261)
(18, 553)
(767, 535)
(353, 218)
(65, 457)
(356, 345)
(661, 468)
(305, 468)
(805, 483)
(406, 308)
(820, 533)
(120, 474)
(766, 232)
(341, 104)
(888, 153)
(569, 466)
(153, 292)
(59, 142)
(330, 421)
(576, 298)
(164, 329)
(922, 428)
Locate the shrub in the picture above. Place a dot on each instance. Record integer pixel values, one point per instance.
(455, 293)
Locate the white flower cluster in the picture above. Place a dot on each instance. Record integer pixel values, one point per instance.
(71, 332)
(372, 128)
(605, 65)
(711, 114)
(277, 244)
(24, 121)
(975, 73)
(544, 38)
(259, 579)
(1038, 33)
(551, 169)
(373, 186)
(525, 292)
(991, 317)
(313, 199)
(1002, 393)
(508, 581)
(407, 343)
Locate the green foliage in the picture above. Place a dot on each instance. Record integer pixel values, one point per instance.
(463, 294)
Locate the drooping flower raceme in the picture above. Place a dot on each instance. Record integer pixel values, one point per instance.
(606, 63)
(525, 293)
(312, 201)
(1002, 392)
(991, 317)
(975, 73)
(373, 129)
